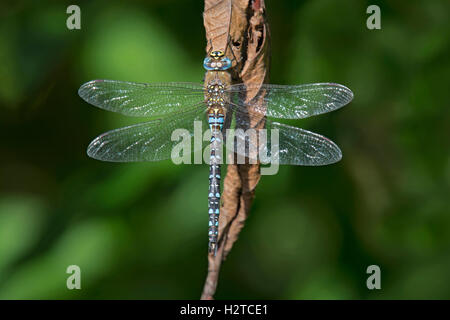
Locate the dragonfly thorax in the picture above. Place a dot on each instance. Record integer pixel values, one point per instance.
(214, 95)
(215, 101)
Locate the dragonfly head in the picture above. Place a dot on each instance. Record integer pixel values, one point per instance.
(217, 61)
(217, 54)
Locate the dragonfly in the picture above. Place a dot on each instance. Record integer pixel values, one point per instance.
(218, 104)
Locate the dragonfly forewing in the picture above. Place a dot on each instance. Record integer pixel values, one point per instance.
(291, 102)
(141, 99)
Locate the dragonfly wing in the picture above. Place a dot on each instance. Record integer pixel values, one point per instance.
(149, 141)
(291, 102)
(297, 146)
(284, 144)
(141, 99)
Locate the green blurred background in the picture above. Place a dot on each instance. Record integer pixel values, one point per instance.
(140, 230)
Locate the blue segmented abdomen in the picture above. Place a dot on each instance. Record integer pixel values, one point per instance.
(214, 182)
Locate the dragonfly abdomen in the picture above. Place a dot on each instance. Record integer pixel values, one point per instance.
(214, 181)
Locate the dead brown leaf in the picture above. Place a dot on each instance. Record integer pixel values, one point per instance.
(242, 25)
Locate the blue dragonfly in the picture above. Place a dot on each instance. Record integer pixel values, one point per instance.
(218, 105)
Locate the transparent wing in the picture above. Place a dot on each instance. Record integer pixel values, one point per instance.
(149, 141)
(141, 99)
(300, 147)
(283, 144)
(291, 102)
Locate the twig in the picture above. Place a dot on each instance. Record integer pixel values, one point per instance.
(242, 25)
